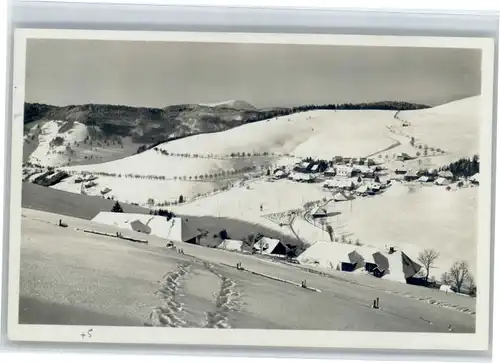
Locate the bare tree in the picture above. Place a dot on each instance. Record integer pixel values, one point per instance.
(427, 257)
(459, 273)
(471, 285)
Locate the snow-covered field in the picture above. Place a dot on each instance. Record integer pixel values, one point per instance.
(453, 127)
(71, 277)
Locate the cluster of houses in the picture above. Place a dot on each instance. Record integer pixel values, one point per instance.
(310, 171)
(387, 263)
(444, 177)
(354, 187)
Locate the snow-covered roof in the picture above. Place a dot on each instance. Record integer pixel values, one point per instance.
(412, 173)
(322, 210)
(423, 178)
(362, 189)
(475, 177)
(327, 254)
(398, 266)
(266, 245)
(138, 226)
(175, 230)
(339, 197)
(279, 173)
(442, 181)
(374, 185)
(445, 288)
(363, 168)
(231, 245)
(345, 168)
(330, 171)
(446, 174)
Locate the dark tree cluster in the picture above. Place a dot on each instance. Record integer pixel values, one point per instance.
(117, 208)
(163, 213)
(464, 167)
(142, 148)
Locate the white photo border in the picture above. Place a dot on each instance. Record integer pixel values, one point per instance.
(478, 341)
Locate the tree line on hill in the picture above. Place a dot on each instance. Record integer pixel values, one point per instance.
(464, 167)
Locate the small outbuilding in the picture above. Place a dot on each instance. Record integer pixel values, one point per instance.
(270, 246)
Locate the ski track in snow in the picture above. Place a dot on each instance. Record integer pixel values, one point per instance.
(167, 314)
(227, 300)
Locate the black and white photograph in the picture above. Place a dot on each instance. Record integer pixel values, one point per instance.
(251, 189)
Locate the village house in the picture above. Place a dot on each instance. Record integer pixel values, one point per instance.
(231, 245)
(330, 172)
(403, 157)
(270, 246)
(344, 171)
(400, 171)
(340, 197)
(303, 167)
(411, 175)
(345, 184)
(280, 174)
(446, 174)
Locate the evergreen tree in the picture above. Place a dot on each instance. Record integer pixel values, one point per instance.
(117, 208)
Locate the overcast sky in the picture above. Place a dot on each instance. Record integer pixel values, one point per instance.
(158, 74)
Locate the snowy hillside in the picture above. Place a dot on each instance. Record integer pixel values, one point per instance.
(202, 163)
(118, 131)
(54, 143)
(58, 143)
(319, 133)
(194, 162)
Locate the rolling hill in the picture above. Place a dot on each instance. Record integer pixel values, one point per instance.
(99, 133)
(94, 133)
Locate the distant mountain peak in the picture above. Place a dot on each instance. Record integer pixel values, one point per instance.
(236, 104)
